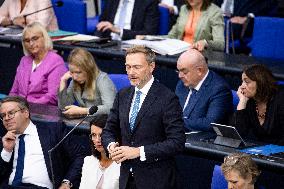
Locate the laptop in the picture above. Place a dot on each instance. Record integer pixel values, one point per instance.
(229, 136)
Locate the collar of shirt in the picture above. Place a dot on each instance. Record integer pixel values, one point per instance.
(197, 87)
(31, 129)
(35, 66)
(146, 88)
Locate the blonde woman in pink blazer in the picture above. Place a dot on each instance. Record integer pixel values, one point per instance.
(39, 72)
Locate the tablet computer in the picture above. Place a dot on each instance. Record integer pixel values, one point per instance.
(229, 136)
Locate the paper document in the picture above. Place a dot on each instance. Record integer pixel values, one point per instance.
(163, 47)
(11, 31)
(78, 37)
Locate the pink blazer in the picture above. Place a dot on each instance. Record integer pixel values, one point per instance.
(41, 85)
(11, 9)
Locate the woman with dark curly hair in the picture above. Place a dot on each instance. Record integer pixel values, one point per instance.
(240, 171)
(260, 112)
(98, 170)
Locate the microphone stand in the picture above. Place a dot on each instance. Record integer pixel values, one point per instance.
(62, 140)
(26, 15)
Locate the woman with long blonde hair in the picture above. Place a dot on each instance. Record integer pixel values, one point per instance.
(88, 87)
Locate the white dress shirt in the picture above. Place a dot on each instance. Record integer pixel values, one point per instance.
(171, 4)
(196, 88)
(35, 171)
(127, 22)
(224, 6)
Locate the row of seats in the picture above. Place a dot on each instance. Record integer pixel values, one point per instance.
(267, 41)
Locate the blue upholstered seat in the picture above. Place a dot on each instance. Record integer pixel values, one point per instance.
(120, 80)
(268, 38)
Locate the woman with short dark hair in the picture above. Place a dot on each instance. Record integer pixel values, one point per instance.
(260, 112)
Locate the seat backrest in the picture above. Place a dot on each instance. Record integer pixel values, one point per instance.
(72, 16)
(218, 179)
(119, 80)
(164, 20)
(268, 38)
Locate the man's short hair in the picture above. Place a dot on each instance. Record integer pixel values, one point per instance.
(23, 103)
(149, 54)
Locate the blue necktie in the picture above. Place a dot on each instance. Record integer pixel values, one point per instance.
(135, 110)
(20, 162)
(192, 96)
(122, 14)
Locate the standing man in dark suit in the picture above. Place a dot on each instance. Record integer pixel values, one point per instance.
(146, 118)
(124, 19)
(24, 161)
(204, 96)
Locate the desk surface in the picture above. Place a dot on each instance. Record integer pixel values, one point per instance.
(217, 61)
(195, 145)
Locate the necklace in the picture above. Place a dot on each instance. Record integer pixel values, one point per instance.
(258, 112)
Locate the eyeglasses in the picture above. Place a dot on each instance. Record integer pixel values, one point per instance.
(93, 136)
(11, 114)
(33, 39)
(231, 160)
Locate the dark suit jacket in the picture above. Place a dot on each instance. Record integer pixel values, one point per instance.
(158, 127)
(144, 21)
(212, 103)
(272, 130)
(67, 158)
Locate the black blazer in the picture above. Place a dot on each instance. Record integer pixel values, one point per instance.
(67, 159)
(158, 127)
(272, 130)
(144, 21)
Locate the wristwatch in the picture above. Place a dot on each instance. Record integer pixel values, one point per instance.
(65, 181)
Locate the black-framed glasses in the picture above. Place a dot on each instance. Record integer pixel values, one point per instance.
(11, 114)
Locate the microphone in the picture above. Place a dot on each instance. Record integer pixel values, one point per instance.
(56, 4)
(92, 110)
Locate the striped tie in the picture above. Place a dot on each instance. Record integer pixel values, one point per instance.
(135, 110)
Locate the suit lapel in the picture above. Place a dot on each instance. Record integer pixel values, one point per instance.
(26, 76)
(200, 25)
(201, 92)
(115, 4)
(128, 103)
(135, 12)
(147, 104)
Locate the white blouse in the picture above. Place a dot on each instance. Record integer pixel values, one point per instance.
(91, 174)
